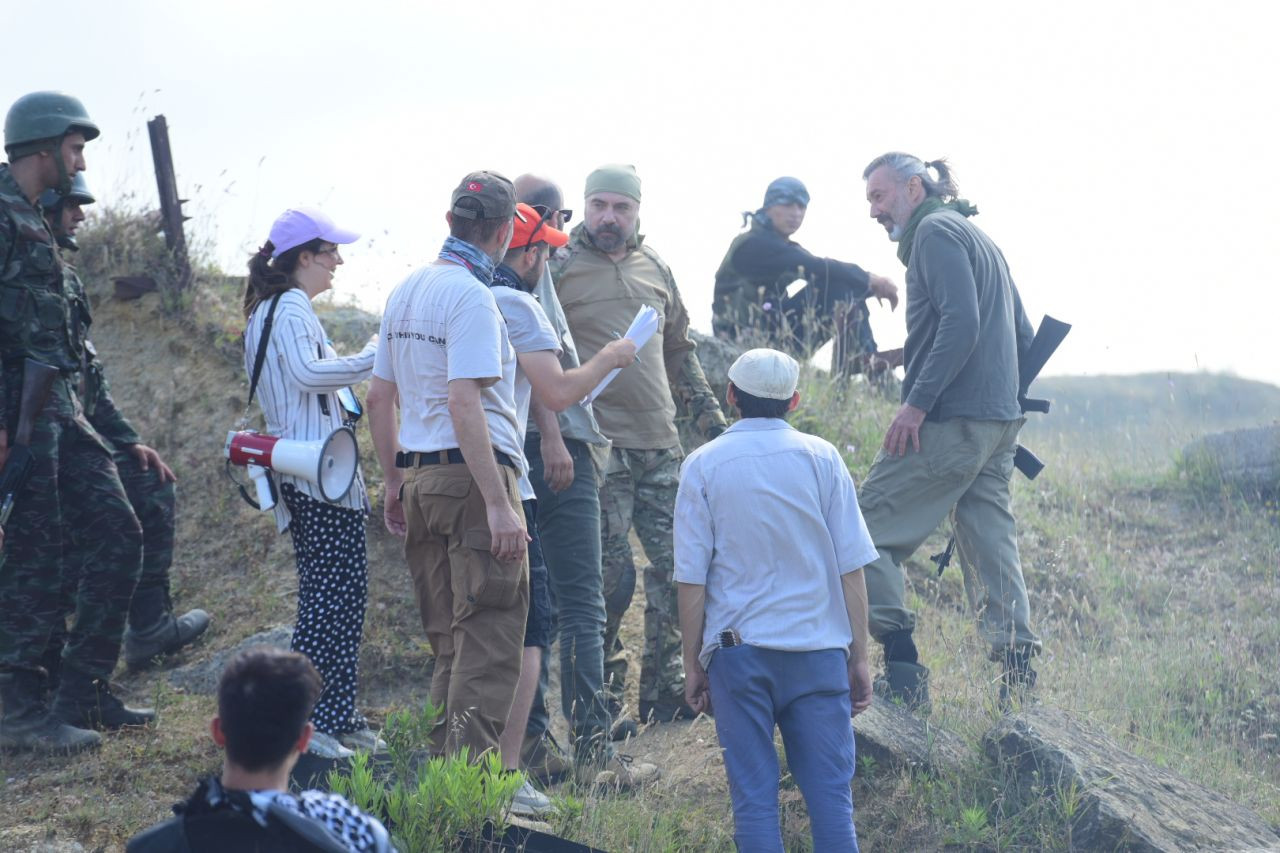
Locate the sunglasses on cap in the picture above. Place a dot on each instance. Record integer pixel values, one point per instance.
(545, 212)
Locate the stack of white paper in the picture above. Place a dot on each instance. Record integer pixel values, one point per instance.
(642, 328)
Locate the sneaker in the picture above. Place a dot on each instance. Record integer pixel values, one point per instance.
(622, 772)
(365, 740)
(544, 760)
(327, 747)
(530, 802)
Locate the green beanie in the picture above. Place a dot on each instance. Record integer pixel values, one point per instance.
(614, 178)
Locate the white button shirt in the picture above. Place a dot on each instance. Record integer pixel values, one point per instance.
(767, 520)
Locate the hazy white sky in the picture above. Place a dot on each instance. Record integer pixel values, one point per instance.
(1121, 153)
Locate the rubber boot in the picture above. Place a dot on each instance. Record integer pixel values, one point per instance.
(904, 682)
(88, 703)
(27, 723)
(154, 631)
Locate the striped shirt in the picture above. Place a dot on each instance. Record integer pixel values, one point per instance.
(300, 377)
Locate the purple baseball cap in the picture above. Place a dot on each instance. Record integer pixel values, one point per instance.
(300, 225)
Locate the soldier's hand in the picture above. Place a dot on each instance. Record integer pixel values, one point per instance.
(509, 539)
(4, 446)
(882, 288)
(904, 431)
(148, 459)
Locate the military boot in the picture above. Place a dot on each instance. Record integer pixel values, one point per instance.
(1017, 679)
(88, 703)
(27, 723)
(154, 630)
(904, 682)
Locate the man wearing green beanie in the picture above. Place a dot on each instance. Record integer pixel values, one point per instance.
(604, 276)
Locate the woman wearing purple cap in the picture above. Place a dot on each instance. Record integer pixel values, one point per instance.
(303, 391)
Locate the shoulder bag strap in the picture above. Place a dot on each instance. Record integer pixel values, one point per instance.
(261, 355)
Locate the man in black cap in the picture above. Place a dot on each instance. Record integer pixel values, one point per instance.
(751, 292)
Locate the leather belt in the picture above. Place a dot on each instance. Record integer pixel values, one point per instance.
(452, 456)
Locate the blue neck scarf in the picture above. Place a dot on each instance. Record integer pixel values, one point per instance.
(462, 252)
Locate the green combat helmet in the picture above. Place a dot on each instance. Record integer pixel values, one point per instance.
(38, 122)
(52, 200)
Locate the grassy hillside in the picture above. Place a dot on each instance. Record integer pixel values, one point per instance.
(1156, 604)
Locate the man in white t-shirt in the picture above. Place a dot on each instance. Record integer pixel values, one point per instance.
(769, 547)
(453, 465)
(543, 385)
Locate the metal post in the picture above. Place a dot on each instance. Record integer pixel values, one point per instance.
(171, 217)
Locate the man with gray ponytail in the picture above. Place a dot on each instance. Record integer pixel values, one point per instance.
(950, 446)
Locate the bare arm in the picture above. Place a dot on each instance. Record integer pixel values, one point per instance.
(692, 599)
(381, 403)
(558, 389)
(557, 464)
(506, 528)
(855, 602)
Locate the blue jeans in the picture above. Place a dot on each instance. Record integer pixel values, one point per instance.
(806, 694)
(569, 530)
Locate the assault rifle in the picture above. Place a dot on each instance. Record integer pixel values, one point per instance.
(1048, 338)
(37, 382)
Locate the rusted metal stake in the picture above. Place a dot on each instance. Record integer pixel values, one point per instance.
(171, 217)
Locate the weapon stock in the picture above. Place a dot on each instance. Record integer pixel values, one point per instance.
(37, 382)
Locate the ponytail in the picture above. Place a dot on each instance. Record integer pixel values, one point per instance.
(268, 277)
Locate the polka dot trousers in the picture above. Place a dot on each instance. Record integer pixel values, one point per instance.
(333, 591)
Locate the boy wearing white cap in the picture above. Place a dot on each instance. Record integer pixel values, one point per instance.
(769, 546)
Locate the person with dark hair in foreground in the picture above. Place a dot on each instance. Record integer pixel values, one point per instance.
(769, 547)
(265, 698)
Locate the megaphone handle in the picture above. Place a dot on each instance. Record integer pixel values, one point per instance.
(262, 480)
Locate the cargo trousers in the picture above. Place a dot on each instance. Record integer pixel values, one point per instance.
(963, 469)
(640, 488)
(473, 605)
(72, 516)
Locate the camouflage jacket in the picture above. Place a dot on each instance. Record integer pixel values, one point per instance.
(39, 317)
(99, 408)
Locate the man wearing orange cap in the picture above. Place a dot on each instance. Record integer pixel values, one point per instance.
(543, 385)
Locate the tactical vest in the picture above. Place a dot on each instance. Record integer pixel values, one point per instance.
(40, 315)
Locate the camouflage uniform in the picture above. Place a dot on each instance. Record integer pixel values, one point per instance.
(637, 413)
(74, 510)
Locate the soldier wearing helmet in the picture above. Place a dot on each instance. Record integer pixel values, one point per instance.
(74, 510)
(153, 628)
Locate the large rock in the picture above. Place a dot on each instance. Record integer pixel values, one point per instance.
(1246, 461)
(1120, 801)
(894, 737)
(202, 677)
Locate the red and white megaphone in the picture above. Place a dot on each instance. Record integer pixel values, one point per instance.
(330, 463)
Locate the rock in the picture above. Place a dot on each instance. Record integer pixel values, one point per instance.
(894, 737)
(1246, 461)
(1121, 801)
(716, 356)
(202, 677)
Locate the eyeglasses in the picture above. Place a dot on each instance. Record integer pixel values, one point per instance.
(545, 212)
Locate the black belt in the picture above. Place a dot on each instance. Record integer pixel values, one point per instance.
(452, 456)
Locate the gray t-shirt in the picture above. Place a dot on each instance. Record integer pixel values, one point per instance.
(578, 421)
(529, 331)
(965, 324)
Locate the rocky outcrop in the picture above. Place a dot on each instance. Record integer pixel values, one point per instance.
(1113, 799)
(1245, 461)
(893, 737)
(202, 677)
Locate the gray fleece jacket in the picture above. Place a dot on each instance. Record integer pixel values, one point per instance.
(965, 324)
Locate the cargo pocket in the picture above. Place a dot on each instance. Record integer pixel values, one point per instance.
(962, 458)
(491, 582)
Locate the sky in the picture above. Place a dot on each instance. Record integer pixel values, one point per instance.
(1121, 153)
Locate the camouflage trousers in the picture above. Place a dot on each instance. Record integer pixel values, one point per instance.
(73, 512)
(640, 489)
(153, 502)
